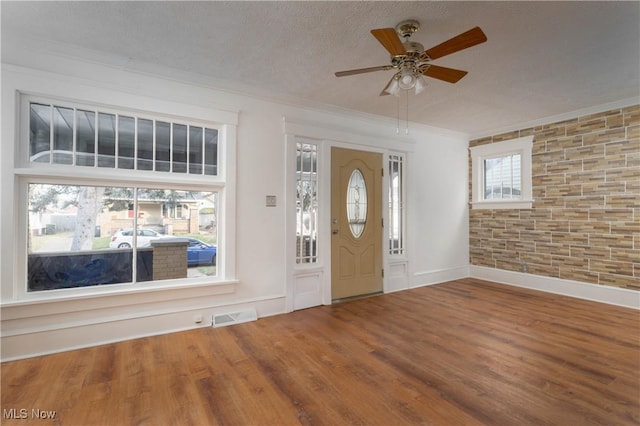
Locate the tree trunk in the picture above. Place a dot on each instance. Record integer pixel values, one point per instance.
(89, 206)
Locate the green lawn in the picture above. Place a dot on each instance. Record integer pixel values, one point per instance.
(207, 238)
(101, 243)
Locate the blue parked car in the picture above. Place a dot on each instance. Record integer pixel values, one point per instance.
(200, 253)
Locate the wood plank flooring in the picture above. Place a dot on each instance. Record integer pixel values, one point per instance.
(467, 352)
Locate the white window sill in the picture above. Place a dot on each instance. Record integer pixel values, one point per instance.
(108, 294)
(305, 268)
(503, 204)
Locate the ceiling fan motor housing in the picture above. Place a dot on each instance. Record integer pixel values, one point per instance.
(413, 47)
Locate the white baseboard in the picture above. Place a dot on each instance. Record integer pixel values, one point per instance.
(598, 293)
(421, 279)
(40, 340)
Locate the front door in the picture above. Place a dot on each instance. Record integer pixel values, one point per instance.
(356, 223)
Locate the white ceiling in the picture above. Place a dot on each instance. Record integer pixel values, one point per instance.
(541, 59)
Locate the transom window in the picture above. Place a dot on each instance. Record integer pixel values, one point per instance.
(91, 137)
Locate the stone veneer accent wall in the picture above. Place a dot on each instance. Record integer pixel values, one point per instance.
(585, 220)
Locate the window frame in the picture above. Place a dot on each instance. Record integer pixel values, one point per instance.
(520, 146)
(26, 172)
(312, 258)
(397, 205)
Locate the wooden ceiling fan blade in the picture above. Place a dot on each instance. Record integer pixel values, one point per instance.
(450, 75)
(388, 37)
(363, 70)
(462, 41)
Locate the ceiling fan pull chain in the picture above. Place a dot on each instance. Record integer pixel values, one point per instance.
(398, 120)
(406, 130)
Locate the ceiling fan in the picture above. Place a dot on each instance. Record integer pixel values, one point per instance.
(412, 61)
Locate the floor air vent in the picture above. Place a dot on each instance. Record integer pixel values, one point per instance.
(222, 320)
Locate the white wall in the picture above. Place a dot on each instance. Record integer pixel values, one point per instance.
(437, 210)
(438, 191)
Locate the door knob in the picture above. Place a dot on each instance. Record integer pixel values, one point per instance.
(335, 231)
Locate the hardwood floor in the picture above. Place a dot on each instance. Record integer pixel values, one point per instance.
(466, 352)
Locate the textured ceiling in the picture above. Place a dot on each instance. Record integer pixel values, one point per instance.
(541, 59)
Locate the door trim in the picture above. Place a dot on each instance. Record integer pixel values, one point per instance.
(327, 136)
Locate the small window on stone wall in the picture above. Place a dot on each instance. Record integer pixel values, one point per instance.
(501, 175)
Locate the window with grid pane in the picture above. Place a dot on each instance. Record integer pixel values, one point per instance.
(81, 137)
(93, 231)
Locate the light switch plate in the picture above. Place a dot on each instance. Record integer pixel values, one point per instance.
(271, 200)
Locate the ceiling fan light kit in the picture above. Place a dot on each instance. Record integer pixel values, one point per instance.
(421, 84)
(407, 79)
(392, 88)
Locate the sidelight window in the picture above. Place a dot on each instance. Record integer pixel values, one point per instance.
(306, 202)
(396, 205)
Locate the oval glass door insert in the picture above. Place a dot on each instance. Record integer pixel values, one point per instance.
(356, 203)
